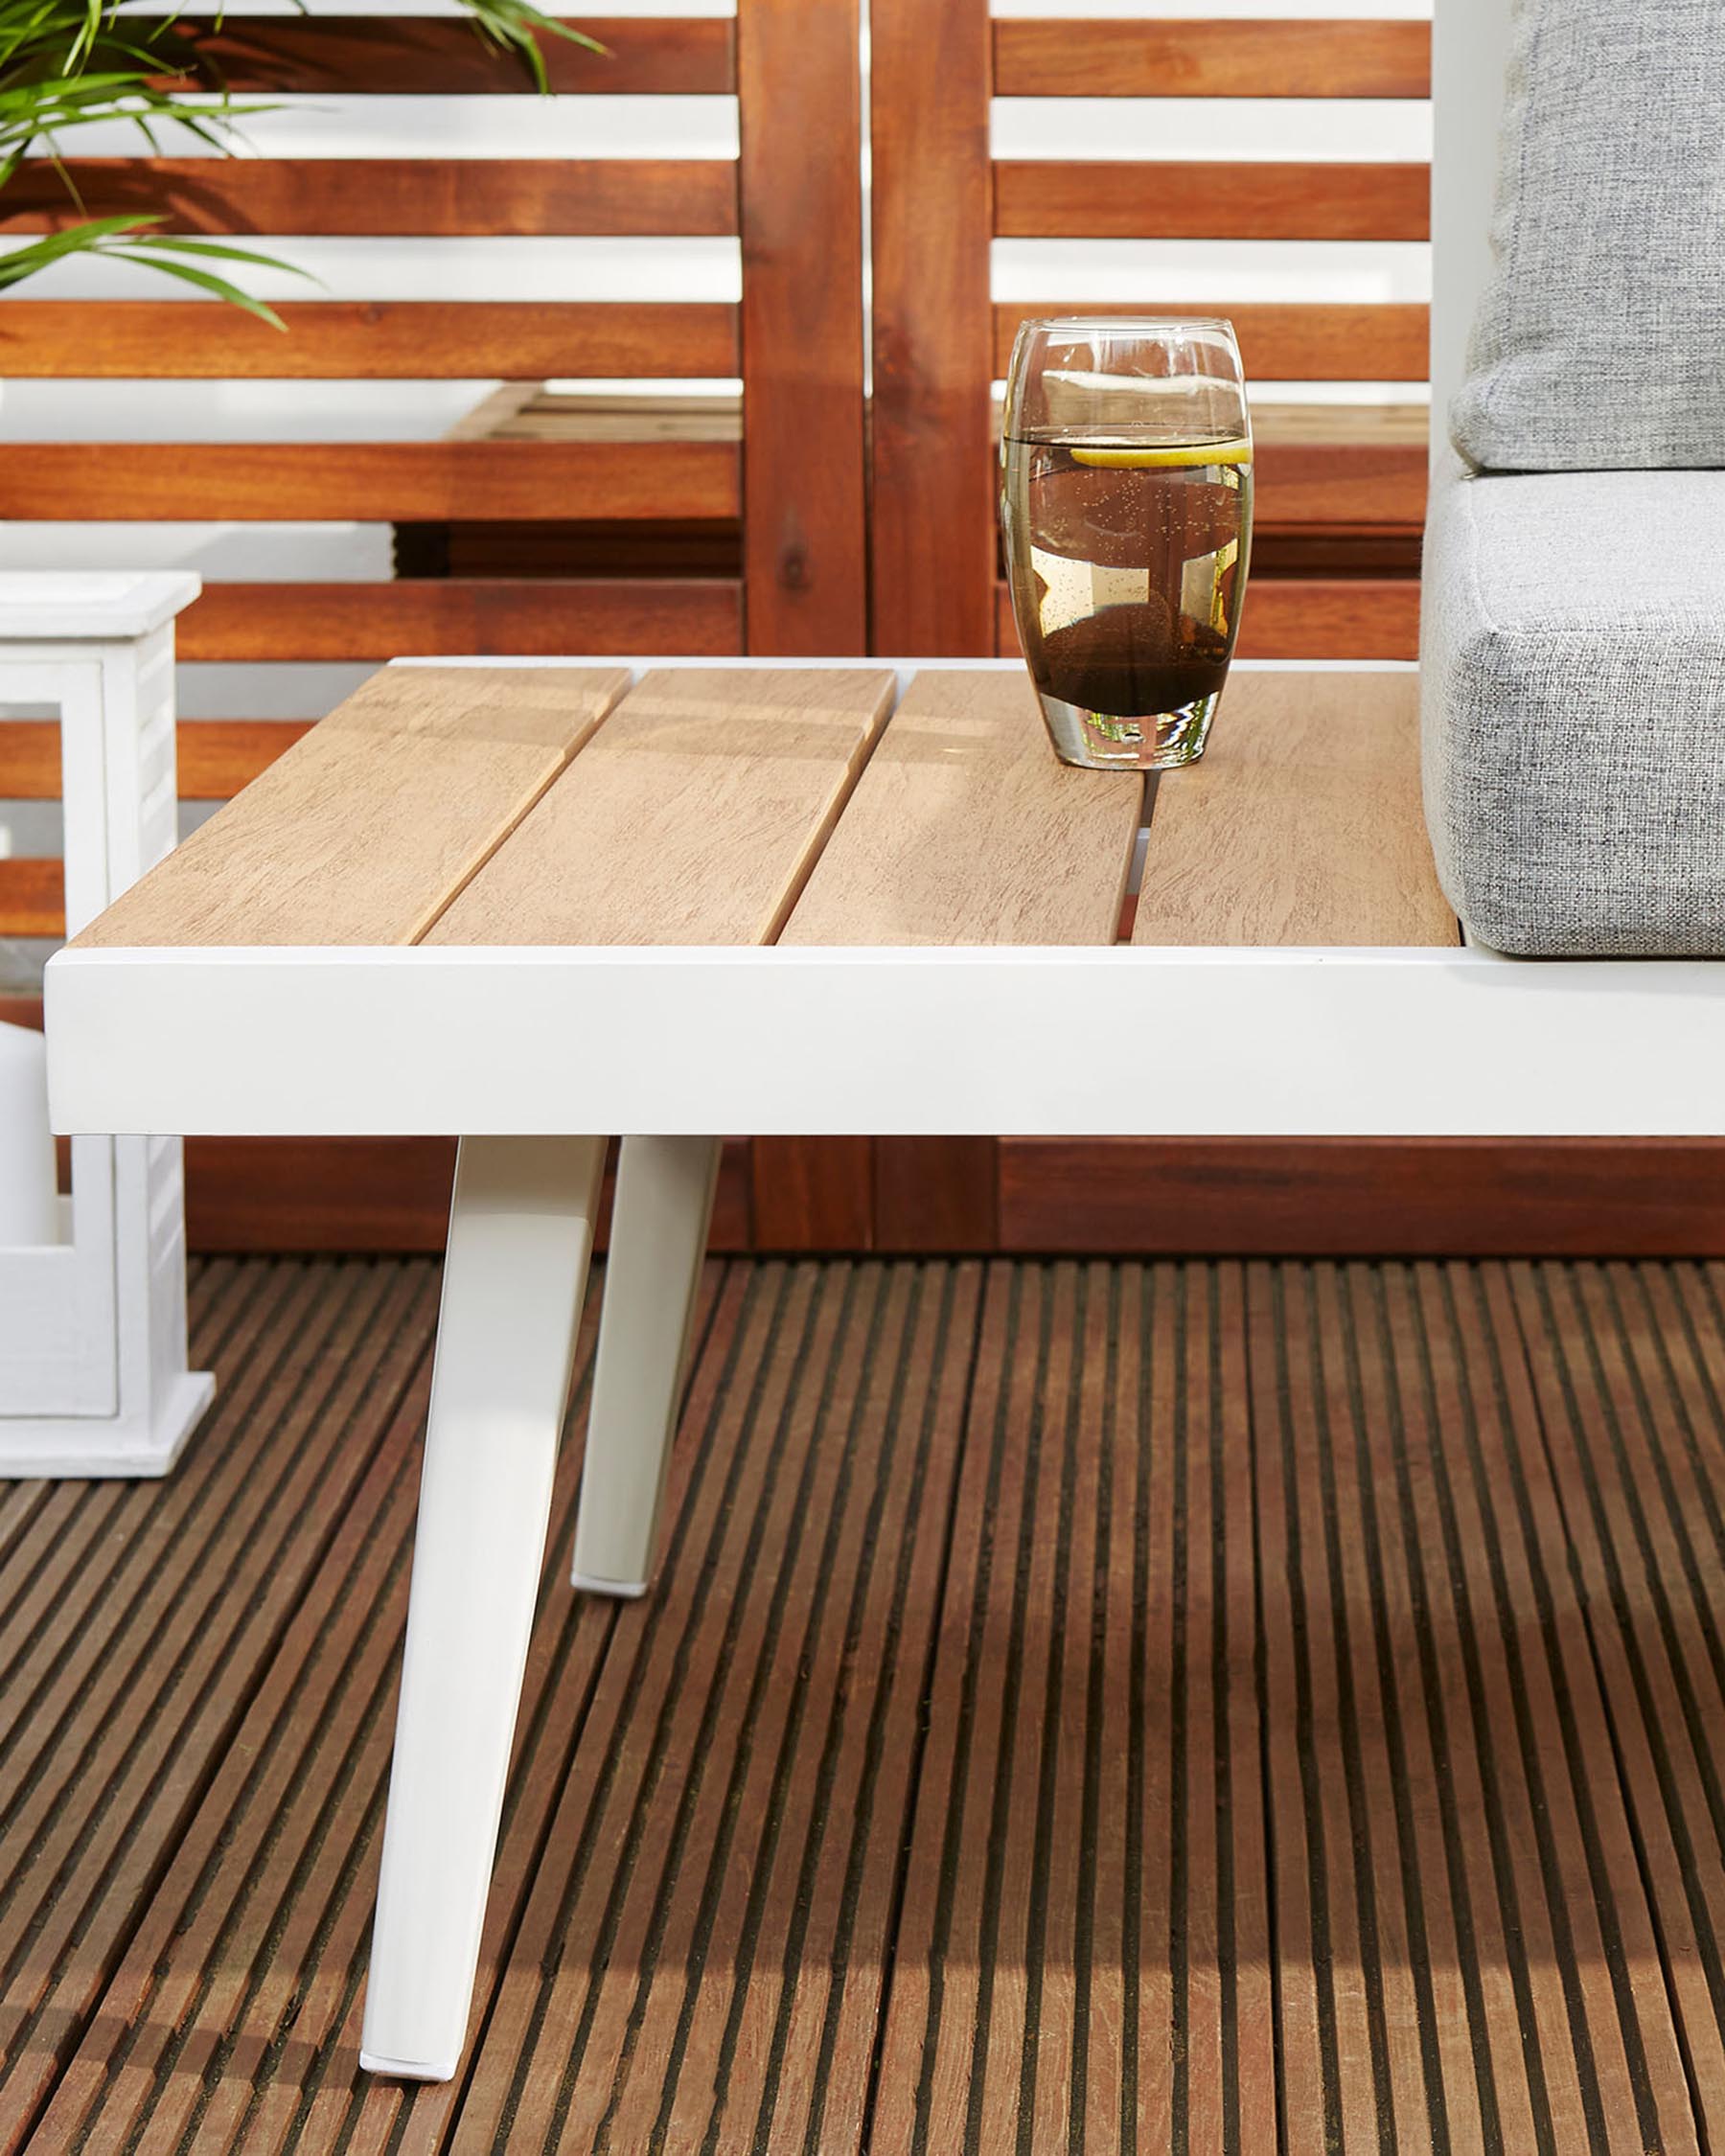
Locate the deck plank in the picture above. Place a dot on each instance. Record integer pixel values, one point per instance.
(1238, 1709)
(1301, 826)
(965, 829)
(367, 827)
(131, 1695)
(693, 816)
(1647, 1558)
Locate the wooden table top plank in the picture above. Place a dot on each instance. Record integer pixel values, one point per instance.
(1302, 826)
(693, 817)
(965, 829)
(553, 707)
(367, 827)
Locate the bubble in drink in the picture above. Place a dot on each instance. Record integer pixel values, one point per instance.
(1127, 562)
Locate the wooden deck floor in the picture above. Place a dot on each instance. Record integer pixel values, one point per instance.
(1086, 1708)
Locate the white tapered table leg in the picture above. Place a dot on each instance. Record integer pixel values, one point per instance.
(664, 1205)
(520, 1235)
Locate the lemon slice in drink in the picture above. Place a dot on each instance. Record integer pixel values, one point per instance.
(1164, 456)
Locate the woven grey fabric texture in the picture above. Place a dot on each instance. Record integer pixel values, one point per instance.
(1573, 682)
(1601, 343)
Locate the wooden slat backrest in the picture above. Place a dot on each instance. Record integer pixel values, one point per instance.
(940, 199)
(964, 830)
(364, 831)
(1301, 826)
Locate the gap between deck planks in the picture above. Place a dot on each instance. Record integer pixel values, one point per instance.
(1086, 1706)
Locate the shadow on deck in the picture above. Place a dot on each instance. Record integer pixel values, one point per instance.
(1085, 1708)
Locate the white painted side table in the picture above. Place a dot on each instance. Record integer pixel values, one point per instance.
(93, 1376)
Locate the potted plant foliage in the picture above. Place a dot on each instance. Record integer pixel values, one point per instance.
(66, 64)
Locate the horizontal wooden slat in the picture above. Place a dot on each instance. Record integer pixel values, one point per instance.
(1318, 342)
(340, 340)
(359, 197)
(364, 831)
(219, 756)
(1340, 617)
(312, 1195)
(963, 829)
(406, 482)
(29, 760)
(32, 898)
(1340, 485)
(523, 617)
(692, 816)
(435, 56)
(1354, 485)
(216, 756)
(1193, 1196)
(1305, 617)
(1302, 825)
(1211, 59)
(1165, 200)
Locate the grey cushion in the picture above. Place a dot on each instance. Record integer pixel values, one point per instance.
(1601, 341)
(1574, 695)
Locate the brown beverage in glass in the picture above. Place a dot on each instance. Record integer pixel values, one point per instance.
(1127, 507)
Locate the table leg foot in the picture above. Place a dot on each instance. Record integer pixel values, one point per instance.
(520, 1235)
(659, 1223)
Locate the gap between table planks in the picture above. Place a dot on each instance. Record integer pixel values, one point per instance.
(542, 805)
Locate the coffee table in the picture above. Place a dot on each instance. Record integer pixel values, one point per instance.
(539, 904)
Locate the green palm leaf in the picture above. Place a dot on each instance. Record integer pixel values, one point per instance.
(79, 64)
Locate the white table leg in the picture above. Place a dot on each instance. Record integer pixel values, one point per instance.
(664, 1205)
(521, 1233)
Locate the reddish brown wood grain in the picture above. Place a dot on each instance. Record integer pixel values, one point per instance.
(32, 898)
(936, 1194)
(29, 760)
(1306, 618)
(813, 1194)
(804, 542)
(1171, 200)
(306, 1195)
(1318, 342)
(931, 547)
(216, 756)
(463, 617)
(435, 56)
(340, 340)
(1345, 1197)
(377, 481)
(481, 197)
(1211, 59)
(1340, 617)
(1340, 486)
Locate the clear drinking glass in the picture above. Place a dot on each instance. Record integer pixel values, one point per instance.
(1126, 500)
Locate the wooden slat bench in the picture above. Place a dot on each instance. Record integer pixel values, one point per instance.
(541, 905)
